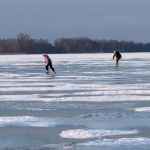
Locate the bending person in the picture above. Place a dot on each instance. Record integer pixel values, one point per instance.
(118, 56)
(48, 63)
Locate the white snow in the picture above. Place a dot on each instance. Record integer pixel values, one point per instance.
(83, 133)
(147, 109)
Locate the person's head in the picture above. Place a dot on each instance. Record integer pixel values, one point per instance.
(114, 52)
(44, 54)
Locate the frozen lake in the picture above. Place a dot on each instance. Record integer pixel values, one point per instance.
(88, 104)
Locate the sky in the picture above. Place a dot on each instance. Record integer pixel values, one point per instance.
(95, 19)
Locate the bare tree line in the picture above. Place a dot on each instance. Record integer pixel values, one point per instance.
(86, 45)
(24, 44)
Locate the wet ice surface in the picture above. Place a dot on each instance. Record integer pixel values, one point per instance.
(87, 104)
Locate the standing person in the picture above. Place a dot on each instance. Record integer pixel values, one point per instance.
(118, 56)
(48, 63)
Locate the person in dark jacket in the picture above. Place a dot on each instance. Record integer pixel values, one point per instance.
(48, 63)
(118, 56)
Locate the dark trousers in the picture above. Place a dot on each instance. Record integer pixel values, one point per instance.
(117, 61)
(50, 64)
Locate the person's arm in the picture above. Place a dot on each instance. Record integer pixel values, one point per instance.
(114, 55)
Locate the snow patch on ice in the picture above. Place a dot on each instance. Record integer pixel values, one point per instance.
(147, 109)
(82, 133)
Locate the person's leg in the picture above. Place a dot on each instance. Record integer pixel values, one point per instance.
(117, 61)
(46, 68)
(52, 67)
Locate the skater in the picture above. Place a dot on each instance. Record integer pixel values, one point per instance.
(48, 63)
(118, 56)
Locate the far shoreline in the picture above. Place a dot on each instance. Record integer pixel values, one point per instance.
(64, 53)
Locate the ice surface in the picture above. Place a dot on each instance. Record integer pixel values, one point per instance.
(26, 121)
(102, 83)
(116, 142)
(50, 105)
(83, 133)
(104, 101)
(105, 144)
(35, 97)
(147, 109)
(117, 115)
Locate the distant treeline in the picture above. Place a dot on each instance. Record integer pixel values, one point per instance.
(26, 45)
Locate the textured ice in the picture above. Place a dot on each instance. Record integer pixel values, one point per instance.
(83, 133)
(49, 105)
(95, 123)
(120, 98)
(116, 92)
(24, 89)
(147, 109)
(119, 142)
(100, 98)
(69, 99)
(26, 121)
(101, 83)
(16, 97)
(105, 144)
(116, 115)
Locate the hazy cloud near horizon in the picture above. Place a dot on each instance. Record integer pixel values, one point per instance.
(96, 19)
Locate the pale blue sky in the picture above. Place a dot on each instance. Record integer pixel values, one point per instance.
(96, 19)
